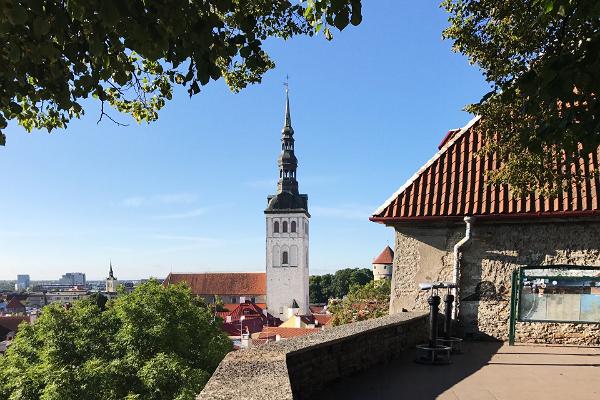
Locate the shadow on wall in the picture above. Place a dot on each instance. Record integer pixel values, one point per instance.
(404, 379)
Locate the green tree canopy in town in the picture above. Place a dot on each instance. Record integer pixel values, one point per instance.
(362, 302)
(131, 54)
(335, 286)
(157, 343)
(542, 58)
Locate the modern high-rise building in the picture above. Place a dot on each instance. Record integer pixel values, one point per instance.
(287, 233)
(73, 279)
(23, 283)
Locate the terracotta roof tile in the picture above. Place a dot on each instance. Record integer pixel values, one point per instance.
(222, 283)
(285, 333)
(453, 184)
(386, 256)
(323, 319)
(317, 308)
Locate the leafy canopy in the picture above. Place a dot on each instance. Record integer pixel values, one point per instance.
(542, 58)
(130, 54)
(362, 302)
(156, 343)
(329, 286)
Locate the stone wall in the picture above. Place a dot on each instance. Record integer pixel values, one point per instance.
(299, 368)
(426, 254)
(559, 333)
(289, 282)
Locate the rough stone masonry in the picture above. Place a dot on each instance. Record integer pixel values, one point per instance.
(425, 253)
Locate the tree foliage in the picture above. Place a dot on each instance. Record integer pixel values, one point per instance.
(362, 302)
(330, 286)
(542, 58)
(131, 54)
(156, 343)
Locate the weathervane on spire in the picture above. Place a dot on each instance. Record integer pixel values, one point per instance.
(287, 83)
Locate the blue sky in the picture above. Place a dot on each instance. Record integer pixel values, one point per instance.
(187, 192)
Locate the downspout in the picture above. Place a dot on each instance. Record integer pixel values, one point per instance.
(456, 266)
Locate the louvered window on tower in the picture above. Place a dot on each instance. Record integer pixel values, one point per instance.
(284, 226)
(293, 227)
(276, 227)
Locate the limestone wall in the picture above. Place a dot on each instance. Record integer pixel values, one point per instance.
(299, 368)
(425, 254)
(287, 282)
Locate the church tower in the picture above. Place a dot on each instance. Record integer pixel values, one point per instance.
(111, 281)
(287, 233)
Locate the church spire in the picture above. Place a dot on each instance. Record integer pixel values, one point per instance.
(287, 160)
(110, 271)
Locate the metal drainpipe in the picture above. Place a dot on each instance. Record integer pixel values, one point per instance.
(457, 247)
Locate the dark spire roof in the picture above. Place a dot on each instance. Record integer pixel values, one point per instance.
(110, 271)
(288, 118)
(288, 198)
(294, 304)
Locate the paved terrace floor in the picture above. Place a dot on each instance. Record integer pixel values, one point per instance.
(485, 371)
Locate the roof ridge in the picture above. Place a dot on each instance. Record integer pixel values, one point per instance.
(217, 272)
(437, 155)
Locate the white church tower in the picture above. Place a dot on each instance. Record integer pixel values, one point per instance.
(287, 233)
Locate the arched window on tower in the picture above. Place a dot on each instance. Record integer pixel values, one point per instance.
(293, 227)
(284, 258)
(276, 227)
(284, 226)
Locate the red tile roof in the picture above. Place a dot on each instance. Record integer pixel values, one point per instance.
(323, 319)
(386, 256)
(249, 311)
(253, 325)
(232, 306)
(317, 308)
(223, 283)
(453, 184)
(285, 333)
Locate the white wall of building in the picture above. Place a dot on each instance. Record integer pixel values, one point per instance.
(287, 282)
(382, 271)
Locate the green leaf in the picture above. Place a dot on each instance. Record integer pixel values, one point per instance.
(41, 26)
(18, 15)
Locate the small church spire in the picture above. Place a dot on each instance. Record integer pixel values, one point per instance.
(111, 281)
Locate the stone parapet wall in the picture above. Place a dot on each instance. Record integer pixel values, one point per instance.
(299, 368)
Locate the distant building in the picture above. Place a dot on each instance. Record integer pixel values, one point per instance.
(231, 287)
(73, 279)
(382, 264)
(66, 296)
(23, 283)
(111, 281)
(14, 306)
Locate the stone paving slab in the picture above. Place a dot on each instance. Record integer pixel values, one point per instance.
(492, 371)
